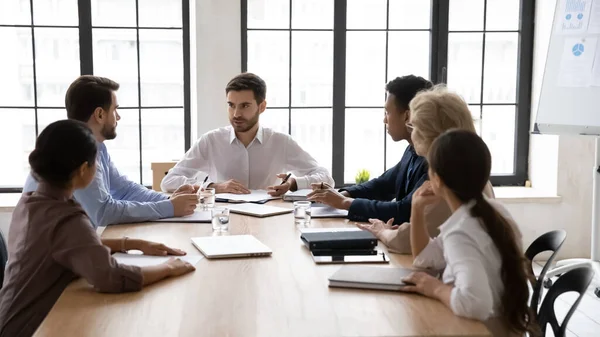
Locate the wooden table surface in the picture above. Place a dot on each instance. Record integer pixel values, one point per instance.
(284, 295)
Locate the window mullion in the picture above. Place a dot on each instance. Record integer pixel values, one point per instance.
(524, 78)
(339, 91)
(187, 99)
(440, 11)
(86, 59)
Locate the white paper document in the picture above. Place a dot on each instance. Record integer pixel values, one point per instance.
(299, 195)
(324, 211)
(594, 25)
(148, 260)
(577, 61)
(254, 196)
(574, 16)
(196, 217)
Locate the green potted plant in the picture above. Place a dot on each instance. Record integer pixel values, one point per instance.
(362, 176)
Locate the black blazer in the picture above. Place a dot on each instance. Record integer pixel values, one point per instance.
(372, 199)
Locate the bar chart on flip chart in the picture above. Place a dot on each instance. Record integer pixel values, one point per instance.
(575, 16)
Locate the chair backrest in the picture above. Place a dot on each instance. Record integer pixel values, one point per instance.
(551, 241)
(3, 257)
(577, 280)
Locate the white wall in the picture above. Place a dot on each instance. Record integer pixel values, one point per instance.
(216, 34)
(563, 165)
(557, 165)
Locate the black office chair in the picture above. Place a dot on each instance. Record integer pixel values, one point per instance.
(551, 241)
(577, 280)
(3, 257)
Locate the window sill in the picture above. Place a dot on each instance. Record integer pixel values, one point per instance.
(515, 195)
(8, 201)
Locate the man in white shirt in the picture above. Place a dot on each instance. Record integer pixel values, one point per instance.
(246, 156)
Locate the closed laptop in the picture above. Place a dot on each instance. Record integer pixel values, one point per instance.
(339, 240)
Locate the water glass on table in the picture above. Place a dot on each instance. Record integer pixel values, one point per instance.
(207, 198)
(302, 213)
(220, 219)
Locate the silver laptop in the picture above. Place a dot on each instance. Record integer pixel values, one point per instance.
(214, 247)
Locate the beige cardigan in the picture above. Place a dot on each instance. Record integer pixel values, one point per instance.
(398, 240)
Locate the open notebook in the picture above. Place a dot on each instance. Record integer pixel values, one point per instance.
(196, 217)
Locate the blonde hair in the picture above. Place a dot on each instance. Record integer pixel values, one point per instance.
(435, 111)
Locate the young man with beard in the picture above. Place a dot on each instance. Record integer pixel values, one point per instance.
(246, 156)
(111, 198)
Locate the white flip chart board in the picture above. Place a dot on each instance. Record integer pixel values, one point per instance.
(570, 95)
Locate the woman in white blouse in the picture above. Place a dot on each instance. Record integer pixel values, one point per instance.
(485, 272)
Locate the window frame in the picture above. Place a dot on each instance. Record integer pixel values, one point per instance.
(438, 73)
(86, 61)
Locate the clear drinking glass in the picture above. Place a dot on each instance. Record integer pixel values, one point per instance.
(220, 219)
(302, 213)
(207, 198)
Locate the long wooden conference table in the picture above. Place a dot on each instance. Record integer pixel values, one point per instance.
(284, 295)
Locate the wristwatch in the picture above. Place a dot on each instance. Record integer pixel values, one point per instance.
(123, 240)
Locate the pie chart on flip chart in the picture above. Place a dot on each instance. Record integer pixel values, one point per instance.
(578, 49)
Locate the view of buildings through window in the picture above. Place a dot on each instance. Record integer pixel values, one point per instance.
(290, 43)
(33, 92)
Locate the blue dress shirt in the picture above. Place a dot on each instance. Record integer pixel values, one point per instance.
(111, 198)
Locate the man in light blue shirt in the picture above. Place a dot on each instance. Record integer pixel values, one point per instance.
(111, 198)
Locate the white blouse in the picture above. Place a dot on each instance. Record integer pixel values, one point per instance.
(471, 262)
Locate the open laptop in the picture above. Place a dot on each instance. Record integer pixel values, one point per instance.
(226, 246)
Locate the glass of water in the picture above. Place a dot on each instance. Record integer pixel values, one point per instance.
(220, 219)
(302, 213)
(207, 198)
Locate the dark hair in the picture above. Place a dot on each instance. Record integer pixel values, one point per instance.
(248, 81)
(463, 162)
(406, 87)
(86, 94)
(60, 149)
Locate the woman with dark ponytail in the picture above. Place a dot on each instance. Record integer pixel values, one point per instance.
(52, 240)
(485, 271)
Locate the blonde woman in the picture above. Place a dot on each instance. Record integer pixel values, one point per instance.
(433, 112)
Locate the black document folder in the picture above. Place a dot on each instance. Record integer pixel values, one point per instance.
(339, 240)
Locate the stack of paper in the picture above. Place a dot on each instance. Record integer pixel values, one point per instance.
(299, 195)
(324, 211)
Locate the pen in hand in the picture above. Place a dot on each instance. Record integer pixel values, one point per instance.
(202, 185)
(286, 178)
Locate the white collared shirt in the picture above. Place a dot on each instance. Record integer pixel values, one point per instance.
(471, 260)
(221, 156)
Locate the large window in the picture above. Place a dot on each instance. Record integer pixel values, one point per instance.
(326, 63)
(142, 44)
